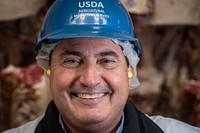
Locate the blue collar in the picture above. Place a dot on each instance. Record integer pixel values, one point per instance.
(119, 130)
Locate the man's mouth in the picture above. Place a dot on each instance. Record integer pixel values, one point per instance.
(89, 96)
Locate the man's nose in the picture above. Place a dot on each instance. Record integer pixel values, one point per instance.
(90, 76)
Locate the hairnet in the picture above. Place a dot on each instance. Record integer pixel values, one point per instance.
(130, 53)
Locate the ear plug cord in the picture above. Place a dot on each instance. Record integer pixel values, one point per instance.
(48, 71)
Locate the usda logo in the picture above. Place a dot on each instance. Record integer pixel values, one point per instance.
(91, 4)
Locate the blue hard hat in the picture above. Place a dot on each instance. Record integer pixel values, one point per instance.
(87, 18)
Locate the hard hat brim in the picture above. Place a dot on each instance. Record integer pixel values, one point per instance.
(72, 33)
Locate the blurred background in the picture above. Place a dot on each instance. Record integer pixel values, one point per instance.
(169, 69)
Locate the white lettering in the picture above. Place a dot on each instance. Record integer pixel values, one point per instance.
(91, 14)
(91, 10)
(100, 5)
(91, 4)
(81, 6)
(87, 4)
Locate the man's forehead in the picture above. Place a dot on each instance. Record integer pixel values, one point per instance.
(86, 46)
(86, 42)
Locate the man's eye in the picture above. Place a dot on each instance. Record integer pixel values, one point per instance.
(71, 62)
(108, 63)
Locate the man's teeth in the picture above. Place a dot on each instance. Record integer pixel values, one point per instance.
(90, 96)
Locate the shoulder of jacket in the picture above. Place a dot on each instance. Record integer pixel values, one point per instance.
(26, 128)
(170, 125)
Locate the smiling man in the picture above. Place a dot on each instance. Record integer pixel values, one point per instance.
(90, 84)
(89, 54)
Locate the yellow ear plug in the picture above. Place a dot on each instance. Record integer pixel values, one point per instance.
(130, 74)
(48, 71)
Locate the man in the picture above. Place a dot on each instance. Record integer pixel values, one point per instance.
(89, 53)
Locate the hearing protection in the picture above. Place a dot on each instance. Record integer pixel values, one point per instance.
(48, 71)
(130, 74)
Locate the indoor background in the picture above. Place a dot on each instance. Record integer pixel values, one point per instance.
(169, 68)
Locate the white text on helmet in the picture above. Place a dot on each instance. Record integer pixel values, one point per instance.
(91, 4)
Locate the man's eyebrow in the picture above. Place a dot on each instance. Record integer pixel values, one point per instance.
(70, 53)
(107, 53)
(99, 54)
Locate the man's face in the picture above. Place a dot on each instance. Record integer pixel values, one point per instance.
(89, 82)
